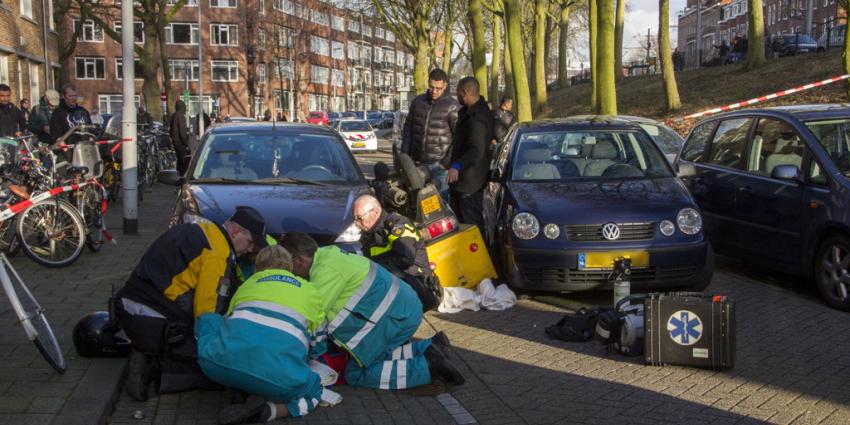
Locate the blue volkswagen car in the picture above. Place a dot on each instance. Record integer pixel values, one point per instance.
(773, 187)
(567, 197)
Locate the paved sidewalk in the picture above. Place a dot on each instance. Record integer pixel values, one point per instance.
(30, 391)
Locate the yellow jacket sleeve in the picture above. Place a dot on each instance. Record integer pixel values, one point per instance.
(211, 277)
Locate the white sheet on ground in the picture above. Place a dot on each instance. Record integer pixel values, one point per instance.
(456, 299)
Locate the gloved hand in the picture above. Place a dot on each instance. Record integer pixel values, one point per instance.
(329, 398)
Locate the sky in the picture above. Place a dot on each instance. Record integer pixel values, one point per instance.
(643, 14)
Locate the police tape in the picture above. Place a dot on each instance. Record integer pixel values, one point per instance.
(760, 99)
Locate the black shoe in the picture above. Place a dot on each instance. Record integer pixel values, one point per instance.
(439, 366)
(442, 341)
(139, 374)
(254, 410)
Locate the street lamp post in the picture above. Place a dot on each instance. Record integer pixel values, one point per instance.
(129, 168)
(200, 75)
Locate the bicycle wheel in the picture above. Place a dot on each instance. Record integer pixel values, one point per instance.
(8, 240)
(51, 232)
(31, 315)
(89, 204)
(150, 172)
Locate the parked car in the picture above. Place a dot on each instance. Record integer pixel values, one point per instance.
(569, 196)
(300, 177)
(375, 118)
(318, 117)
(388, 119)
(348, 115)
(833, 38)
(664, 137)
(239, 119)
(333, 117)
(773, 184)
(358, 135)
(792, 44)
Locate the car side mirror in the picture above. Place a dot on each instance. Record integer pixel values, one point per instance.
(685, 169)
(170, 177)
(789, 172)
(496, 175)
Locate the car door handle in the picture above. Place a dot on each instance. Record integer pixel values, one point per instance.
(746, 189)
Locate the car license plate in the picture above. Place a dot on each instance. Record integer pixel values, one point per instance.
(358, 145)
(605, 260)
(430, 204)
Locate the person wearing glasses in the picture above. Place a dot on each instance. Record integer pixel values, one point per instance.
(392, 241)
(429, 129)
(189, 270)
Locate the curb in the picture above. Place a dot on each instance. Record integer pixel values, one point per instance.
(94, 397)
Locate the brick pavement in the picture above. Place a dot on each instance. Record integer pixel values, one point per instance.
(30, 391)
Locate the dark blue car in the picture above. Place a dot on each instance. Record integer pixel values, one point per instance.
(772, 185)
(567, 197)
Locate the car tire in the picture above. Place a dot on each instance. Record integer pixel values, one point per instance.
(831, 278)
(408, 168)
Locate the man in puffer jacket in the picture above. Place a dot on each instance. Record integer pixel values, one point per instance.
(429, 128)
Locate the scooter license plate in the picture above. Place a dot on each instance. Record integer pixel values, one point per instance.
(430, 204)
(605, 260)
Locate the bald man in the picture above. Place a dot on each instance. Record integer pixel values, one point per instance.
(392, 241)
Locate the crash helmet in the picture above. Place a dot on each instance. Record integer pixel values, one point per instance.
(96, 336)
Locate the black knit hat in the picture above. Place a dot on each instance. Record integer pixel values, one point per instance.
(253, 222)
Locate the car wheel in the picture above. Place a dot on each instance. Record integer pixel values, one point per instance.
(832, 271)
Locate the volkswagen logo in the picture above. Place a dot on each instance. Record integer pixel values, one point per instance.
(611, 231)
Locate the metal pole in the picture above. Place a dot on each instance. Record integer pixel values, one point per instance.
(200, 77)
(809, 17)
(291, 72)
(45, 18)
(129, 170)
(362, 49)
(699, 33)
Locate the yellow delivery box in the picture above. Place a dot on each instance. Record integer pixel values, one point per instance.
(461, 259)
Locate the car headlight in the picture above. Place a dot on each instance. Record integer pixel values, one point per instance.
(667, 227)
(689, 221)
(551, 231)
(525, 226)
(351, 234)
(194, 218)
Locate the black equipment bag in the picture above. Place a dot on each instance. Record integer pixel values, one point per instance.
(690, 329)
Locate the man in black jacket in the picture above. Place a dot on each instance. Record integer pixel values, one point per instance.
(429, 128)
(470, 162)
(503, 119)
(12, 123)
(67, 115)
(179, 132)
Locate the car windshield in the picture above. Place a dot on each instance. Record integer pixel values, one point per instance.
(354, 126)
(804, 39)
(667, 140)
(237, 157)
(834, 136)
(587, 155)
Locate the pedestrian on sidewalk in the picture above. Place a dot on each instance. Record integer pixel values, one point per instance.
(188, 271)
(429, 129)
(39, 123)
(470, 162)
(373, 316)
(12, 122)
(503, 119)
(179, 132)
(262, 344)
(25, 110)
(723, 50)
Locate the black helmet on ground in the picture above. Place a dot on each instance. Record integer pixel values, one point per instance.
(96, 336)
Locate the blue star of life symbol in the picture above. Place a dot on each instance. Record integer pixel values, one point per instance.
(685, 327)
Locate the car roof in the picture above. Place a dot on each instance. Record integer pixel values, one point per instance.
(585, 121)
(798, 112)
(353, 120)
(265, 126)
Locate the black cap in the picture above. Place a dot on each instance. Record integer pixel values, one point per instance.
(253, 222)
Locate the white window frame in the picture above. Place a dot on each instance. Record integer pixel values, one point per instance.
(390, 36)
(320, 45)
(379, 32)
(262, 7)
(261, 73)
(193, 34)
(104, 102)
(35, 88)
(89, 60)
(354, 25)
(261, 39)
(319, 17)
(319, 74)
(216, 30)
(367, 30)
(338, 78)
(232, 70)
(283, 69)
(285, 6)
(337, 50)
(117, 27)
(353, 50)
(189, 3)
(26, 8)
(89, 24)
(120, 75)
(337, 23)
(4, 69)
(220, 4)
(194, 69)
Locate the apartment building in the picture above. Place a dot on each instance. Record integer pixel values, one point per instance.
(28, 48)
(282, 55)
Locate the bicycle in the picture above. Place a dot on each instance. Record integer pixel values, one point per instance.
(31, 315)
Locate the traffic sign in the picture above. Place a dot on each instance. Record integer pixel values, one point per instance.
(163, 97)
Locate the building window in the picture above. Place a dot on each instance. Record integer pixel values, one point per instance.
(353, 25)
(261, 73)
(353, 51)
(26, 8)
(367, 30)
(189, 3)
(138, 31)
(177, 33)
(35, 89)
(119, 69)
(338, 23)
(262, 7)
(178, 69)
(89, 31)
(281, 100)
(285, 6)
(319, 45)
(338, 78)
(389, 57)
(317, 102)
(4, 69)
(320, 18)
(284, 69)
(113, 103)
(379, 55)
(224, 35)
(318, 74)
(338, 50)
(379, 32)
(390, 36)
(90, 68)
(223, 3)
(261, 39)
(225, 71)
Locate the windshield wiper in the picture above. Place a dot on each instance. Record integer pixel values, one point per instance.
(272, 180)
(220, 180)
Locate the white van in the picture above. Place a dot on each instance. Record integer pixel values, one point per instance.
(836, 38)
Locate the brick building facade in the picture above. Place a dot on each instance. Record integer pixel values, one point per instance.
(28, 48)
(328, 58)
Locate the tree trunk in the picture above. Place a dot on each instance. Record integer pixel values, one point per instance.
(540, 95)
(671, 91)
(150, 72)
(497, 59)
(447, 44)
(509, 73)
(618, 40)
(479, 43)
(755, 35)
(563, 38)
(171, 92)
(513, 17)
(420, 64)
(593, 24)
(607, 92)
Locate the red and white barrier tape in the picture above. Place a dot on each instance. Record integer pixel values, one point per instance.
(760, 99)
